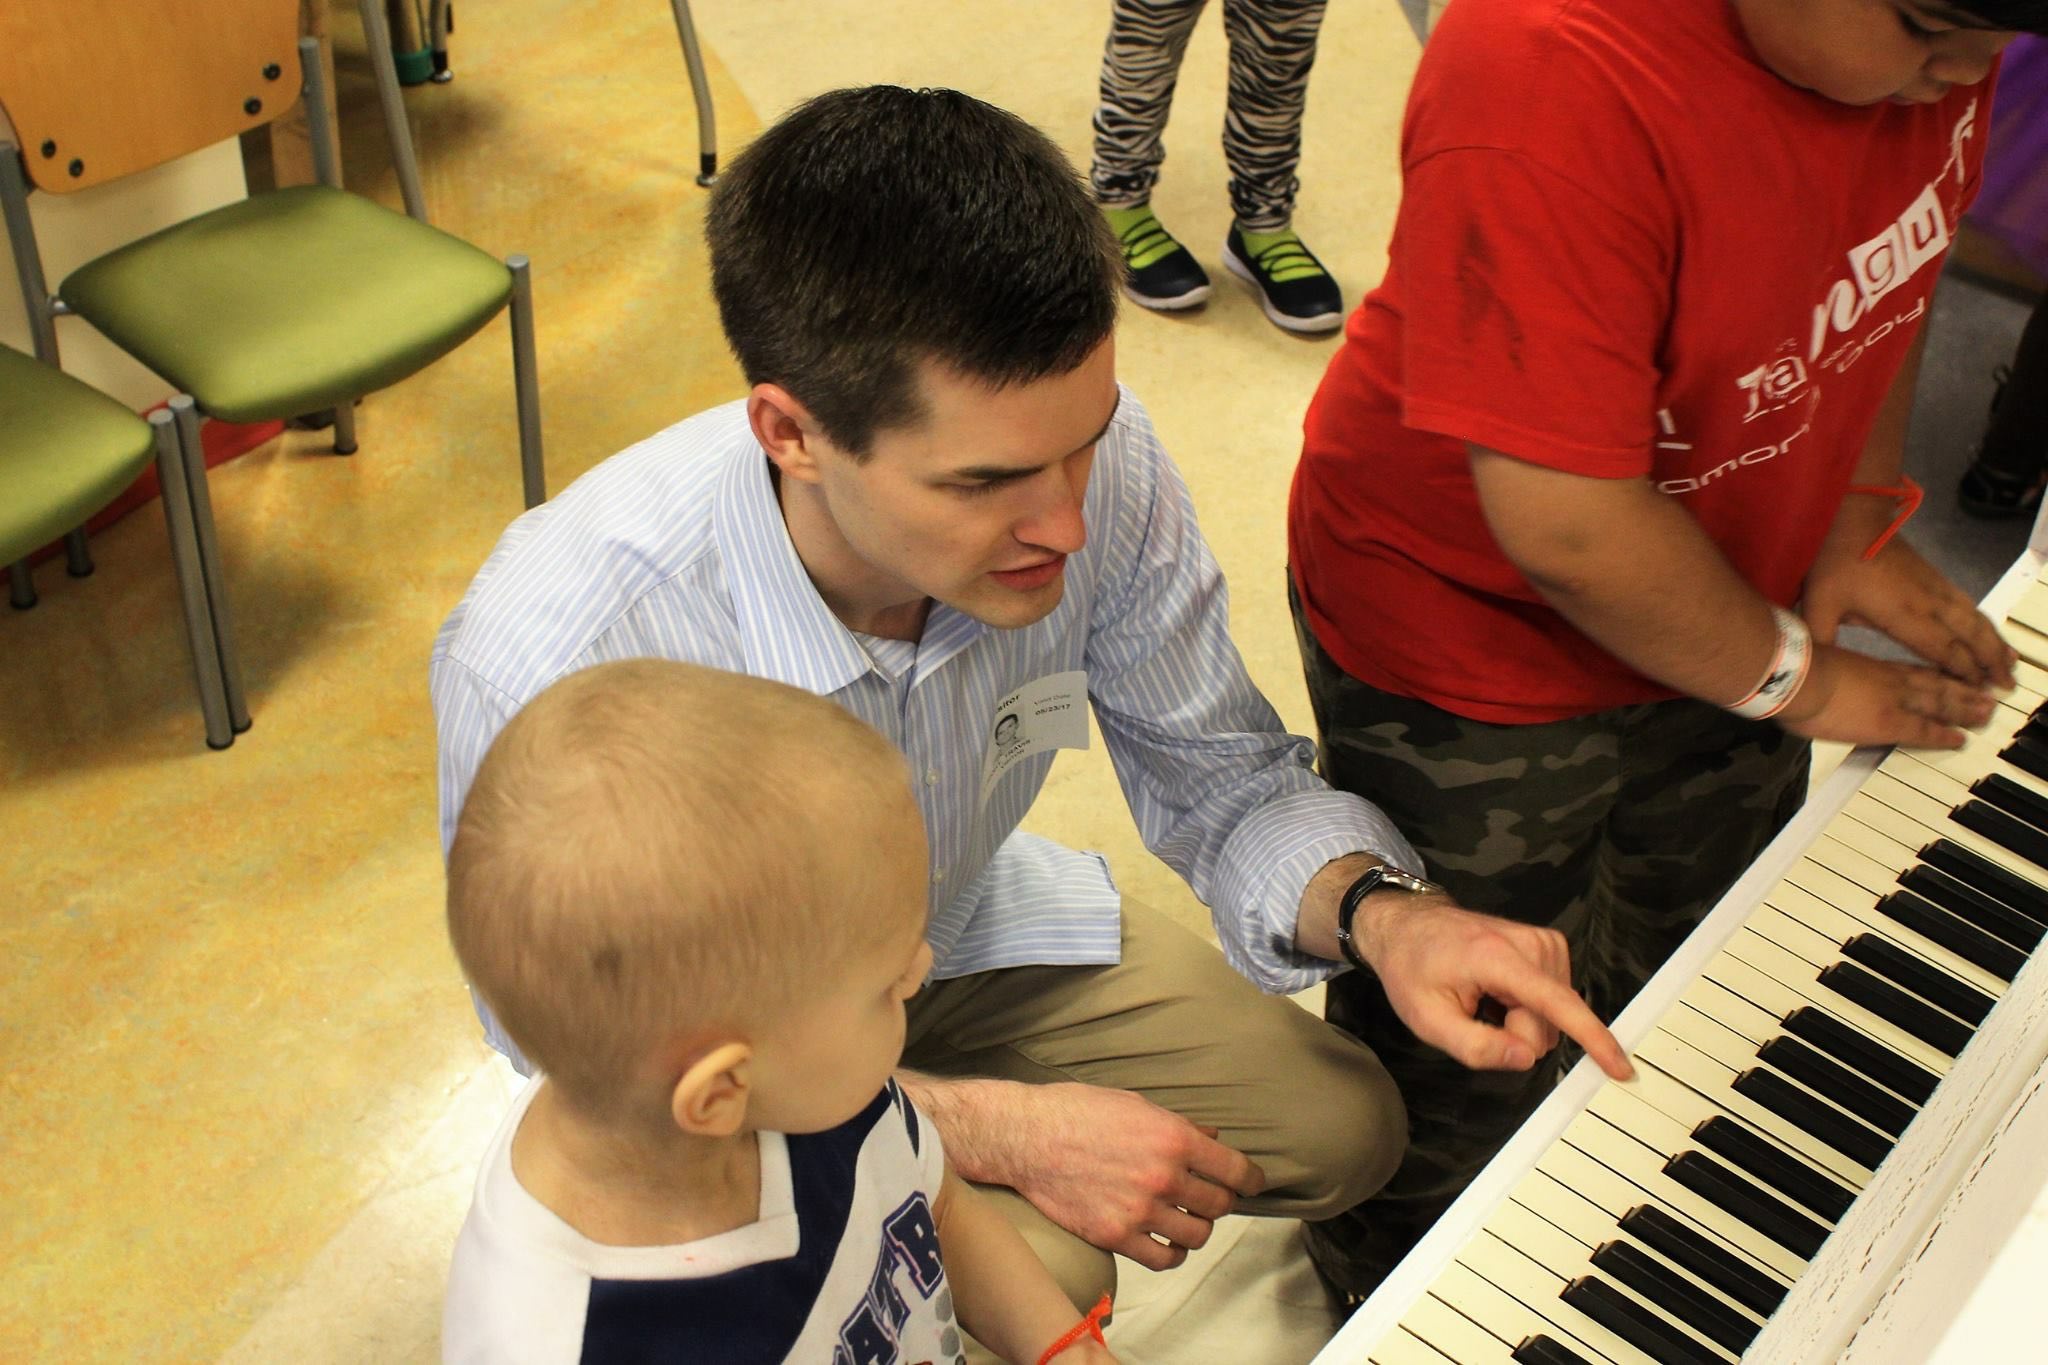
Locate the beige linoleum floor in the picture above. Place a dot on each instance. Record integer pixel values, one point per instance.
(241, 1089)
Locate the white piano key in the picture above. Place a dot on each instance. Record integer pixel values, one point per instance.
(1712, 1082)
(2031, 677)
(1593, 1227)
(1861, 856)
(1616, 1172)
(1765, 974)
(1804, 941)
(1479, 1300)
(1716, 1001)
(1914, 819)
(1540, 1240)
(1564, 1257)
(1401, 1349)
(1537, 1289)
(1978, 756)
(1947, 789)
(1450, 1333)
(1841, 920)
(2031, 611)
(1571, 1212)
(2030, 643)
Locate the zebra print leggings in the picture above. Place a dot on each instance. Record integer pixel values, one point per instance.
(1272, 47)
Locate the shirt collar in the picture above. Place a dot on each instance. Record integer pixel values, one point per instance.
(787, 632)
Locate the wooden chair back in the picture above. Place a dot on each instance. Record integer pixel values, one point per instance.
(99, 89)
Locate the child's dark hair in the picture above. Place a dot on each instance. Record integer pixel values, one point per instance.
(2018, 16)
(870, 229)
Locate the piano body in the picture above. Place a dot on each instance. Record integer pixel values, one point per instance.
(1838, 1117)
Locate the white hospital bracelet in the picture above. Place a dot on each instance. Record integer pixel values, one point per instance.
(1788, 670)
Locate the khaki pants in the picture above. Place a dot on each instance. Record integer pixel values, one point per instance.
(1174, 1023)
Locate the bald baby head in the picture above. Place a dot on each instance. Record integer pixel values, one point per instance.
(652, 852)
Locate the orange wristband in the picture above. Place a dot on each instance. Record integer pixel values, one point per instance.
(1907, 494)
(1089, 1326)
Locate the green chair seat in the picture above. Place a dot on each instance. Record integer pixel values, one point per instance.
(291, 302)
(66, 451)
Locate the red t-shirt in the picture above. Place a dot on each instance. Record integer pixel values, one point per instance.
(1625, 249)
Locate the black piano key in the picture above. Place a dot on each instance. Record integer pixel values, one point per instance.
(2012, 798)
(1925, 980)
(1977, 906)
(1639, 1326)
(1541, 1350)
(2008, 831)
(1677, 1242)
(1676, 1295)
(1761, 1160)
(1873, 1104)
(1954, 933)
(1931, 1026)
(1866, 1054)
(1765, 1212)
(2001, 884)
(2028, 753)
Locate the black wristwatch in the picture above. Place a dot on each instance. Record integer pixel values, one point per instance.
(1375, 879)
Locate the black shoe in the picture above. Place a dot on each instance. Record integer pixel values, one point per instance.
(1992, 492)
(1158, 271)
(1294, 289)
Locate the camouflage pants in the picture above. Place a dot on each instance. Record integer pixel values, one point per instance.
(1620, 829)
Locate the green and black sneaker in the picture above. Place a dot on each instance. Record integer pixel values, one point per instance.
(1293, 288)
(1158, 271)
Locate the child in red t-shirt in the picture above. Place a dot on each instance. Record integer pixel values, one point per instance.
(1581, 504)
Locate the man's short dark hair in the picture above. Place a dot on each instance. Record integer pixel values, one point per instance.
(871, 229)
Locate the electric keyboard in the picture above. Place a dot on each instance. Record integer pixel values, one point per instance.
(1838, 1111)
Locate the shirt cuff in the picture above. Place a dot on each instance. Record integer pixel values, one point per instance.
(1269, 862)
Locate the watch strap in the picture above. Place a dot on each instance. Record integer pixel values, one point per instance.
(1373, 879)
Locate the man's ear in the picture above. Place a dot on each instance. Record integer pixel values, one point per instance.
(710, 1097)
(786, 430)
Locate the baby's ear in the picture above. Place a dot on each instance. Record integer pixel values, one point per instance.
(710, 1097)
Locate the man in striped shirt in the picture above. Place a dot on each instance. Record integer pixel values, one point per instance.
(937, 507)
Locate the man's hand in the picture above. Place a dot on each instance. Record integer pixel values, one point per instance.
(1122, 1174)
(1856, 699)
(1437, 961)
(1109, 1166)
(1905, 597)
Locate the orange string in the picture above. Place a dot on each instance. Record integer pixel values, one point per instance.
(1089, 1326)
(1908, 494)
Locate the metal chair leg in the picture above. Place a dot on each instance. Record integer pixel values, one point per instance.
(77, 554)
(345, 428)
(440, 18)
(707, 119)
(191, 574)
(377, 31)
(21, 585)
(194, 471)
(526, 383)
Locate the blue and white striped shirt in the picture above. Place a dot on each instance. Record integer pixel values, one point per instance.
(676, 548)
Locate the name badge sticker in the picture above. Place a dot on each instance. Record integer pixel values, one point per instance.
(1050, 713)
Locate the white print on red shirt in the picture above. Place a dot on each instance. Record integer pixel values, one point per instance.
(1891, 259)
(1878, 268)
(1775, 385)
(1756, 455)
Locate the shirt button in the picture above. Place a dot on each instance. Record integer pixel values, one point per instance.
(931, 777)
(938, 875)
